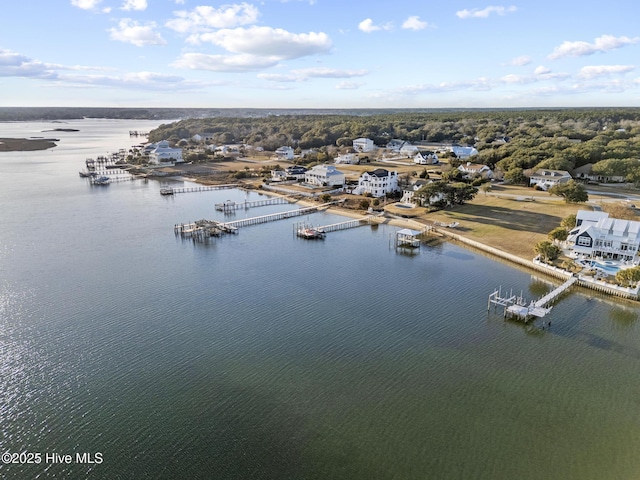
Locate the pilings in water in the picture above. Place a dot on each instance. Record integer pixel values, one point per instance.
(201, 188)
(229, 206)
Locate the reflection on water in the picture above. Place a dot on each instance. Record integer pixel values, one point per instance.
(262, 356)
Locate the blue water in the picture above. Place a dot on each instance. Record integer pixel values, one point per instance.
(266, 356)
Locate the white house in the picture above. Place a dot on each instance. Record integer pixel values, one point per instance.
(598, 236)
(377, 183)
(426, 157)
(408, 150)
(324, 175)
(284, 153)
(162, 154)
(407, 193)
(463, 152)
(363, 145)
(475, 170)
(347, 158)
(545, 179)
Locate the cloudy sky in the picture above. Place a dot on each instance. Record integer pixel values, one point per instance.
(320, 53)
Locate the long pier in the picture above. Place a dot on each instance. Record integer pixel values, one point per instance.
(201, 188)
(273, 217)
(549, 297)
(368, 220)
(230, 206)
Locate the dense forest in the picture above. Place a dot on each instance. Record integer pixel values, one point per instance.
(510, 140)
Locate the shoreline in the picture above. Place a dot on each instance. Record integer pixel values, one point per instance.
(531, 265)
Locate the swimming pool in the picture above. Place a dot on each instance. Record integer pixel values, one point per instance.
(609, 267)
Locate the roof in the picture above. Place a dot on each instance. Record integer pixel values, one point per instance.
(589, 216)
(408, 232)
(380, 172)
(543, 172)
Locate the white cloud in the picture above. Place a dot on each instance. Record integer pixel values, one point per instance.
(541, 70)
(136, 81)
(303, 74)
(204, 18)
(604, 70)
(278, 77)
(367, 26)
(323, 72)
(134, 5)
(414, 23)
(485, 12)
(225, 63)
(129, 31)
(346, 85)
(16, 65)
(268, 42)
(603, 43)
(85, 4)
(516, 79)
(520, 61)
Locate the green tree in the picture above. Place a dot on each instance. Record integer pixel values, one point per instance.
(559, 234)
(486, 188)
(571, 191)
(547, 251)
(628, 276)
(515, 176)
(569, 221)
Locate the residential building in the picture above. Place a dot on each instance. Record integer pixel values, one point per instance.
(599, 237)
(584, 174)
(348, 158)
(162, 154)
(545, 179)
(377, 183)
(363, 145)
(408, 150)
(463, 152)
(407, 193)
(426, 157)
(284, 153)
(324, 175)
(475, 170)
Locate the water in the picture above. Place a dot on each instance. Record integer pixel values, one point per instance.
(264, 356)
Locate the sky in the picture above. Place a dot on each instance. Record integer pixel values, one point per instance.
(320, 53)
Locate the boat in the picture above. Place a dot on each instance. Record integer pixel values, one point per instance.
(101, 181)
(311, 233)
(166, 190)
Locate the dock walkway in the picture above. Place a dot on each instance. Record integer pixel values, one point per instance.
(230, 206)
(515, 306)
(201, 188)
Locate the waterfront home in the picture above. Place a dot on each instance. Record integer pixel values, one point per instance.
(474, 170)
(284, 153)
(545, 179)
(407, 193)
(463, 152)
(294, 172)
(324, 176)
(598, 236)
(162, 154)
(363, 145)
(377, 183)
(426, 157)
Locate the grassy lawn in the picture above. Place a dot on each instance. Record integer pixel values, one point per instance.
(505, 220)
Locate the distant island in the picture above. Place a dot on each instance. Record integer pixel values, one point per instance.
(62, 130)
(26, 144)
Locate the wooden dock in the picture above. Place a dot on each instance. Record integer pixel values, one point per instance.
(200, 188)
(231, 206)
(273, 217)
(368, 220)
(517, 307)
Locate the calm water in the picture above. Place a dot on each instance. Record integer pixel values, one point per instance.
(263, 356)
